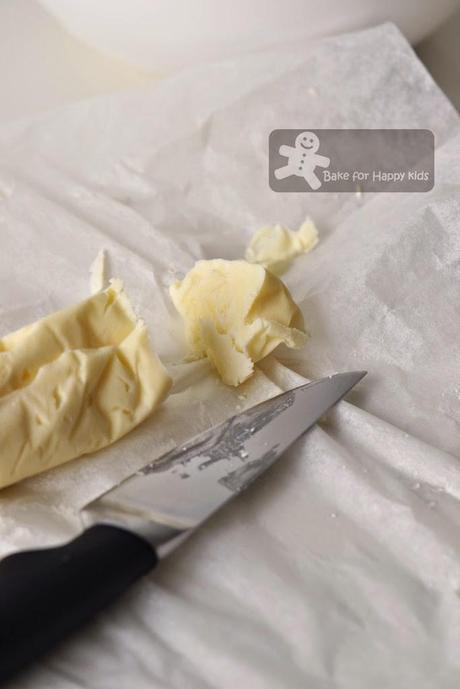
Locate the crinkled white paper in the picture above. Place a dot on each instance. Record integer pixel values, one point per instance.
(342, 567)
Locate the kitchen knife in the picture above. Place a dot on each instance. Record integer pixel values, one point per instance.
(46, 594)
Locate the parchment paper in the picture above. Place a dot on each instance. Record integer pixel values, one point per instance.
(342, 567)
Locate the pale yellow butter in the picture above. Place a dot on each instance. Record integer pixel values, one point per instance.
(235, 314)
(75, 382)
(98, 273)
(274, 246)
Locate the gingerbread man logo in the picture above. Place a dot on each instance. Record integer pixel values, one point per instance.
(303, 159)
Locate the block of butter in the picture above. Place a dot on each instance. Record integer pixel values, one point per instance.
(274, 246)
(75, 382)
(235, 314)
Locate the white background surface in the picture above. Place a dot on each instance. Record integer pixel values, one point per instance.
(42, 66)
(167, 34)
(341, 569)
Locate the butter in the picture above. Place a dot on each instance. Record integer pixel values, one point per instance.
(274, 246)
(73, 383)
(235, 314)
(98, 274)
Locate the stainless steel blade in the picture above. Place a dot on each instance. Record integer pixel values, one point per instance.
(188, 484)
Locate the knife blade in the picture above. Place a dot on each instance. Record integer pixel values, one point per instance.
(184, 487)
(47, 594)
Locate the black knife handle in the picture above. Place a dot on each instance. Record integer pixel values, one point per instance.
(47, 594)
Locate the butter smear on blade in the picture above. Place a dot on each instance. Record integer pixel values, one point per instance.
(74, 382)
(274, 246)
(235, 314)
